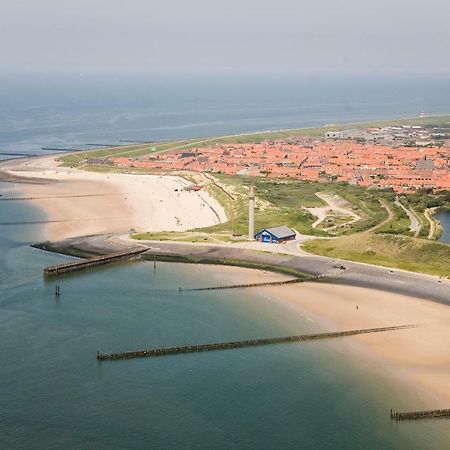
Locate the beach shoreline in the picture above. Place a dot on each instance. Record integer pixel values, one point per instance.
(82, 203)
(419, 358)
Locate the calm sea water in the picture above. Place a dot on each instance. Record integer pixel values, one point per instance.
(444, 219)
(54, 394)
(73, 112)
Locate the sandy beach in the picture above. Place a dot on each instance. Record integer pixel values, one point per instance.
(418, 357)
(80, 203)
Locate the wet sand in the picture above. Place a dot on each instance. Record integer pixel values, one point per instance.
(418, 357)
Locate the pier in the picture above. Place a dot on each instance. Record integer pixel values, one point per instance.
(420, 415)
(165, 351)
(91, 262)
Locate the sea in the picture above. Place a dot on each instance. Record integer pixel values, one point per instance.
(53, 392)
(71, 112)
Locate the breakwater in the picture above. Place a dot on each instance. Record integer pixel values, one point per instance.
(91, 262)
(53, 149)
(165, 351)
(251, 285)
(420, 415)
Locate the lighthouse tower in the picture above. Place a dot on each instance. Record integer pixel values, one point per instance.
(251, 214)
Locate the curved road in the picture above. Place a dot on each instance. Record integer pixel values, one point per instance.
(415, 226)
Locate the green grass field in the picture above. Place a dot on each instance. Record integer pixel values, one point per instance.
(402, 252)
(210, 238)
(282, 202)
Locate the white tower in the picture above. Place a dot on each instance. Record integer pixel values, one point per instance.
(251, 214)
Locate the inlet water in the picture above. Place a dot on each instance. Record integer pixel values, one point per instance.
(444, 219)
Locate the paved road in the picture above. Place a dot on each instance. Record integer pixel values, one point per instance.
(415, 226)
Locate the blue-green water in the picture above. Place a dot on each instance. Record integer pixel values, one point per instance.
(444, 219)
(54, 394)
(71, 112)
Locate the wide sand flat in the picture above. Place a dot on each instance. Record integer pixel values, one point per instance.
(418, 356)
(83, 203)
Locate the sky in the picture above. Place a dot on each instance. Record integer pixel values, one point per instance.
(225, 37)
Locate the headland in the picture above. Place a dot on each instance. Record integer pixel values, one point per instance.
(93, 212)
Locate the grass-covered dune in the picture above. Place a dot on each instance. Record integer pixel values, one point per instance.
(402, 252)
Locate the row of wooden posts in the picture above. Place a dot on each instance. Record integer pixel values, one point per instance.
(250, 285)
(164, 351)
(92, 262)
(419, 415)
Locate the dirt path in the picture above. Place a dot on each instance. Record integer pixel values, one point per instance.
(385, 221)
(336, 205)
(427, 215)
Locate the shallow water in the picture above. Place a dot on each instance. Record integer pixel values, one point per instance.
(54, 394)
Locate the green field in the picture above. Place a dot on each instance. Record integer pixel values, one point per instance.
(189, 236)
(282, 202)
(417, 255)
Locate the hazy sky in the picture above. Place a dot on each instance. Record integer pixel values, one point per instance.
(226, 36)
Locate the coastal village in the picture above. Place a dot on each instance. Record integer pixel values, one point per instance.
(402, 158)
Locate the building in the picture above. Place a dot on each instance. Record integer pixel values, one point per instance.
(275, 235)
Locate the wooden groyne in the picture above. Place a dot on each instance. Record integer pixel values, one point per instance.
(9, 199)
(91, 262)
(106, 145)
(17, 154)
(251, 285)
(164, 351)
(137, 142)
(420, 415)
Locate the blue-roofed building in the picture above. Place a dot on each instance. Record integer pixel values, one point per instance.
(275, 235)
